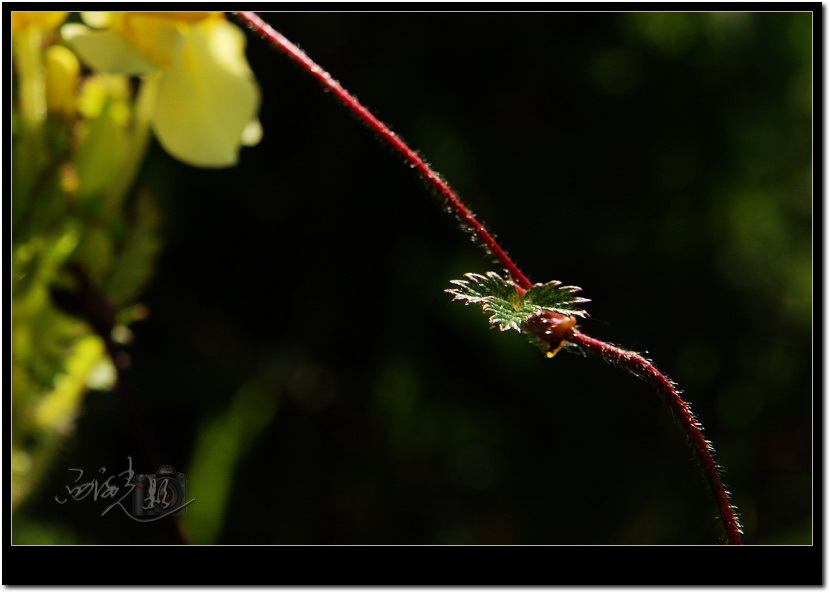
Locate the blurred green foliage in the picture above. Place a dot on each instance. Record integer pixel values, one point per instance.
(65, 214)
(303, 366)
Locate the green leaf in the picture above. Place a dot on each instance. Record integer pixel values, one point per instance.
(478, 288)
(496, 295)
(509, 309)
(222, 443)
(552, 296)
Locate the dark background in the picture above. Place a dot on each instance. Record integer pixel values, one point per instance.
(302, 364)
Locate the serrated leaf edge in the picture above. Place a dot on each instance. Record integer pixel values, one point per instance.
(524, 303)
(568, 302)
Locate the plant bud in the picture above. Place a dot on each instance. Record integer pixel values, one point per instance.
(62, 75)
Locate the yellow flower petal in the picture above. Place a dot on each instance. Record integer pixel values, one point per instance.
(183, 17)
(160, 39)
(99, 20)
(252, 133)
(156, 34)
(44, 20)
(207, 97)
(107, 51)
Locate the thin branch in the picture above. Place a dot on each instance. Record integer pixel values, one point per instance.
(636, 364)
(464, 214)
(629, 360)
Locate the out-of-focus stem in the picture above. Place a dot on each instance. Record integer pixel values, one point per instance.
(31, 77)
(139, 139)
(92, 305)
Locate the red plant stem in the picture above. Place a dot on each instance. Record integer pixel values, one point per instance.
(458, 207)
(629, 360)
(641, 367)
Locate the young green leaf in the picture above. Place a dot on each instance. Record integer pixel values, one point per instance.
(552, 296)
(509, 309)
(496, 295)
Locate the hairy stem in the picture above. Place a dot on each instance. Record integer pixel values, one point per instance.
(458, 207)
(636, 364)
(629, 360)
